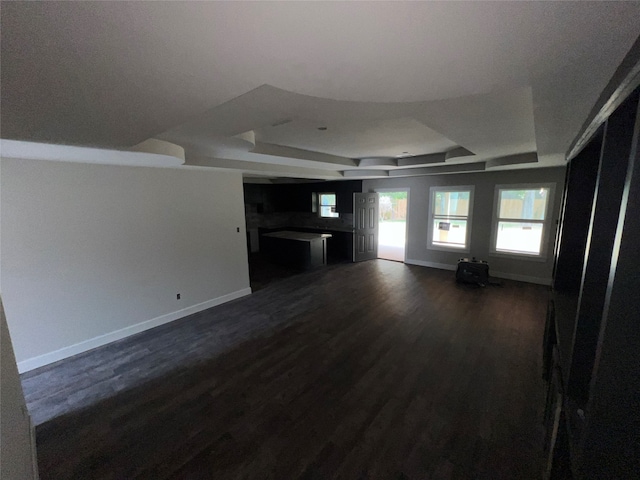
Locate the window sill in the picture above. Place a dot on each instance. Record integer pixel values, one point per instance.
(447, 249)
(519, 256)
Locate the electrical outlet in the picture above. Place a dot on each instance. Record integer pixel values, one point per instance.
(178, 296)
(238, 229)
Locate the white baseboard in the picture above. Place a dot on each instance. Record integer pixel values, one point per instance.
(507, 276)
(47, 358)
(422, 263)
(521, 278)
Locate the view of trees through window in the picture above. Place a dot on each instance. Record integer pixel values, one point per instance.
(328, 205)
(393, 207)
(392, 224)
(521, 219)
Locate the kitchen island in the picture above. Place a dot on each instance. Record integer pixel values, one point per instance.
(300, 249)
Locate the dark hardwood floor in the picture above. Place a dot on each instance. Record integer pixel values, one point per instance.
(355, 371)
(263, 271)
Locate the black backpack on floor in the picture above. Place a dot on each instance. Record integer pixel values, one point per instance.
(472, 271)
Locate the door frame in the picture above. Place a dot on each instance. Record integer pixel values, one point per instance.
(406, 228)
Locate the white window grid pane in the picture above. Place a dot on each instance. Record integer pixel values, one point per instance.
(450, 218)
(328, 211)
(328, 199)
(520, 237)
(451, 202)
(449, 231)
(523, 204)
(327, 205)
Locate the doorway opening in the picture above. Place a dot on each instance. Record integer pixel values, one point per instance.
(392, 225)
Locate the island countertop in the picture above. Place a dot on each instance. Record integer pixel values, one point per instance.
(300, 236)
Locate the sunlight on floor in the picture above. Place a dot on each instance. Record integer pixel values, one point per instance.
(391, 240)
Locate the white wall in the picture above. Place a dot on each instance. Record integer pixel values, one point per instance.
(485, 182)
(91, 252)
(17, 456)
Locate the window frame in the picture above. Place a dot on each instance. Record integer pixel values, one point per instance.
(432, 193)
(547, 223)
(335, 205)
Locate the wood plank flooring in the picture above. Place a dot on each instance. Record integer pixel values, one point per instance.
(354, 371)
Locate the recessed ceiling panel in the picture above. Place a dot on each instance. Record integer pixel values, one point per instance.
(358, 139)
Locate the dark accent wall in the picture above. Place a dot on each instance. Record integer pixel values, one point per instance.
(296, 197)
(270, 207)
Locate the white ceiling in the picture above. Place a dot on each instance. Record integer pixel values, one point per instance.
(358, 138)
(247, 85)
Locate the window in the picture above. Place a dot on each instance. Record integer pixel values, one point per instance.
(450, 222)
(328, 205)
(521, 219)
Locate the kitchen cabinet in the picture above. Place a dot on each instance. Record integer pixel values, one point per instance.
(339, 245)
(297, 249)
(297, 197)
(260, 197)
(344, 195)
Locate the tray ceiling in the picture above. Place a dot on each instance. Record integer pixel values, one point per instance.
(245, 86)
